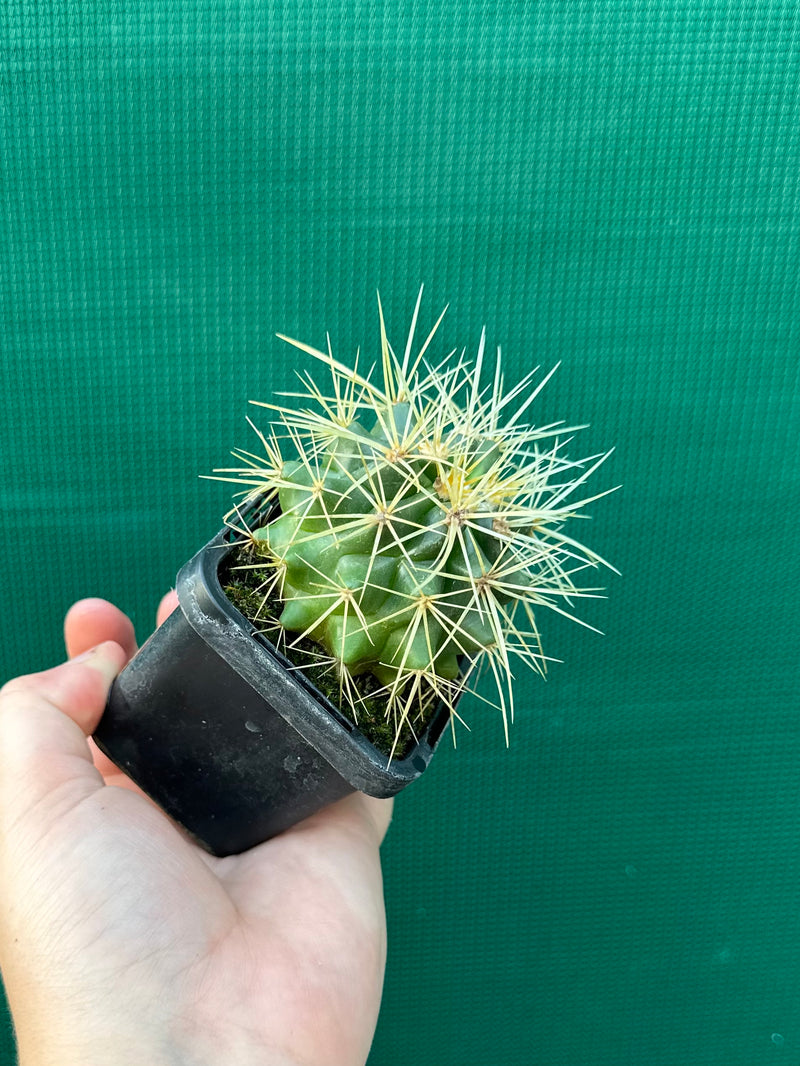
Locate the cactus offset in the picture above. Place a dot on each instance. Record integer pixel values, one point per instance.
(420, 526)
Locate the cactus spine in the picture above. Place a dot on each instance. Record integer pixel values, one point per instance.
(421, 525)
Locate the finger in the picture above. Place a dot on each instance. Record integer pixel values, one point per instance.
(379, 811)
(90, 622)
(78, 689)
(44, 721)
(166, 607)
(358, 813)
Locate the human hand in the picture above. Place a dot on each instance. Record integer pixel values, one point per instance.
(121, 941)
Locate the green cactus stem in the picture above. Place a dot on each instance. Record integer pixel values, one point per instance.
(419, 529)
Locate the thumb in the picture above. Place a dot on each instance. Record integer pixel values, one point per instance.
(44, 721)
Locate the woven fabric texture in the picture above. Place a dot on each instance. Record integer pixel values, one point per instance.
(610, 184)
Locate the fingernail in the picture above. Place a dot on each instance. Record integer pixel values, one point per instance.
(84, 656)
(106, 657)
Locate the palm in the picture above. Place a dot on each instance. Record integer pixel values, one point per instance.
(284, 943)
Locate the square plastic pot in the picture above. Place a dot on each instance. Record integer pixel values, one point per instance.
(214, 724)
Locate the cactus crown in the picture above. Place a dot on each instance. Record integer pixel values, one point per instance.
(421, 526)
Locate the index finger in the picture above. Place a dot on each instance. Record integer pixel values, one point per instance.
(91, 621)
(166, 607)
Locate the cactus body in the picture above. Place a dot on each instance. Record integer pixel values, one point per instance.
(420, 526)
(375, 568)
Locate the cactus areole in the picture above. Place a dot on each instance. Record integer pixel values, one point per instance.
(400, 532)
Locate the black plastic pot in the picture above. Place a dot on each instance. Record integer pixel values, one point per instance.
(212, 722)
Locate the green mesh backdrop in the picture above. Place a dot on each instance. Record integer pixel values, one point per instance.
(609, 184)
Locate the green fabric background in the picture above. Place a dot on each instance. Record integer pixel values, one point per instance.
(610, 184)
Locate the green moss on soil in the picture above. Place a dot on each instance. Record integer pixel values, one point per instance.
(244, 588)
